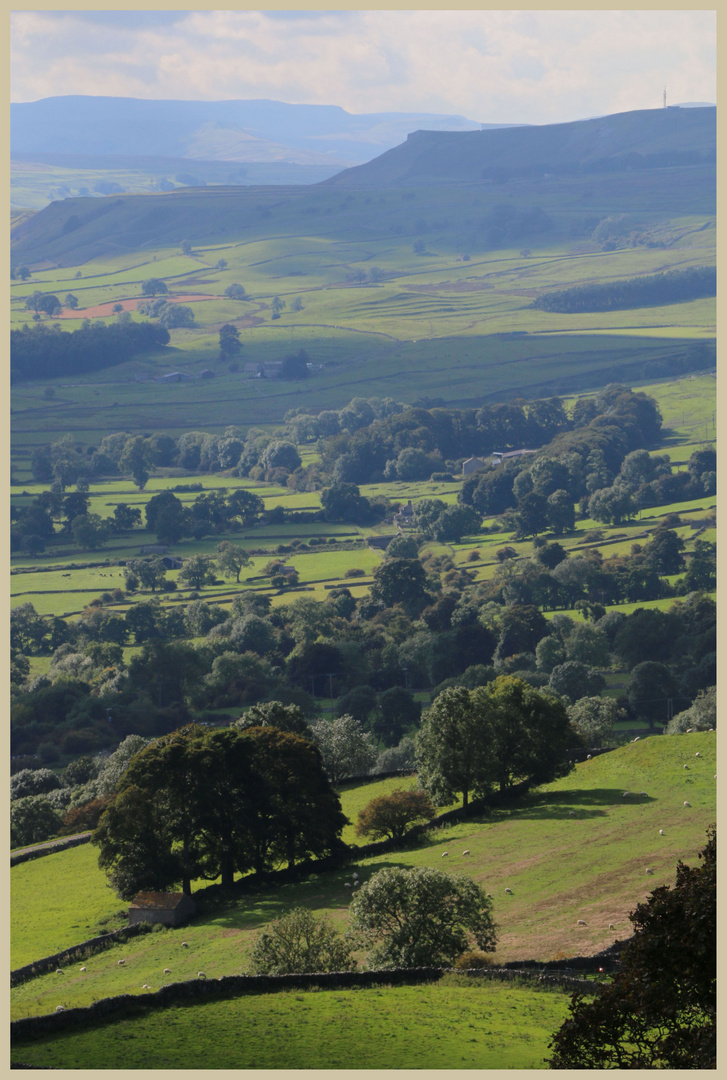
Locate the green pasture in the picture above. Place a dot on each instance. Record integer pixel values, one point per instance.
(457, 1023)
(561, 868)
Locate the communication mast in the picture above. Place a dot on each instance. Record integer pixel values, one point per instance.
(664, 97)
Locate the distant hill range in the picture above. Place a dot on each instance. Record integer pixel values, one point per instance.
(242, 131)
(664, 159)
(653, 138)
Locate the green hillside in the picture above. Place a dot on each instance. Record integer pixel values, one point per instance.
(562, 867)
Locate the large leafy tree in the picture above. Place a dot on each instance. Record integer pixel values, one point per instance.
(660, 1010)
(201, 803)
(421, 918)
(454, 746)
(391, 815)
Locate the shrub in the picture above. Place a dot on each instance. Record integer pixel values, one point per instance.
(297, 943)
(391, 815)
(473, 958)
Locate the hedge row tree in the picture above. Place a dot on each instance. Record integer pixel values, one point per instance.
(346, 749)
(231, 559)
(501, 733)
(201, 803)
(660, 1011)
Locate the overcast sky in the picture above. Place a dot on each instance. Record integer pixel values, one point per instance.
(490, 66)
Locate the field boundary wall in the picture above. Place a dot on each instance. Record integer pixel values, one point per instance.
(230, 986)
(48, 849)
(77, 952)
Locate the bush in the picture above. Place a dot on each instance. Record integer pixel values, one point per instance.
(32, 820)
(391, 815)
(297, 943)
(473, 958)
(82, 818)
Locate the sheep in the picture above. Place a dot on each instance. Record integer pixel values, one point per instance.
(347, 884)
(637, 739)
(167, 971)
(444, 853)
(83, 969)
(661, 832)
(588, 758)
(649, 870)
(354, 875)
(145, 986)
(121, 962)
(581, 922)
(201, 975)
(642, 793)
(611, 926)
(626, 793)
(571, 813)
(185, 945)
(60, 1008)
(697, 754)
(686, 766)
(466, 851)
(688, 730)
(356, 884)
(687, 803)
(509, 891)
(59, 971)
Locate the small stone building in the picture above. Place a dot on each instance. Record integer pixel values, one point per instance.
(169, 908)
(472, 465)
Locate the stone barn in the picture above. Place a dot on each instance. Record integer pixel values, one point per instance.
(169, 908)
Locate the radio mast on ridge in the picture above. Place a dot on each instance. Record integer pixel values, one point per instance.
(664, 97)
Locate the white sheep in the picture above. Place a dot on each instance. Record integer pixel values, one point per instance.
(145, 986)
(167, 971)
(509, 891)
(642, 793)
(466, 851)
(60, 1008)
(697, 754)
(689, 729)
(356, 884)
(122, 962)
(444, 853)
(185, 945)
(59, 971)
(626, 793)
(661, 832)
(611, 926)
(687, 803)
(83, 969)
(637, 739)
(201, 975)
(581, 922)
(649, 870)
(347, 884)
(686, 766)
(354, 875)
(588, 758)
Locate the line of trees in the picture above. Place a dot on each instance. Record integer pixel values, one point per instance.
(43, 352)
(670, 287)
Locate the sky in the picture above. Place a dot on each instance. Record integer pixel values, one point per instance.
(491, 66)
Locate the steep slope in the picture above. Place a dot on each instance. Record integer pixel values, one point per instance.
(644, 139)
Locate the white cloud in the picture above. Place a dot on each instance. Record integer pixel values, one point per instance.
(506, 66)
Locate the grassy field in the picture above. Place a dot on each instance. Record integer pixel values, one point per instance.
(456, 1023)
(560, 868)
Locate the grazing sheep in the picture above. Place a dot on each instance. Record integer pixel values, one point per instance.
(167, 971)
(588, 758)
(661, 832)
(356, 884)
(509, 891)
(626, 793)
(466, 852)
(687, 803)
(82, 969)
(611, 926)
(60, 1008)
(444, 853)
(145, 986)
(686, 766)
(688, 730)
(581, 922)
(697, 754)
(642, 793)
(59, 971)
(637, 739)
(185, 945)
(354, 875)
(649, 870)
(122, 961)
(571, 813)
(201, 975)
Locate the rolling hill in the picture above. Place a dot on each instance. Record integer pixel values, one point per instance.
(643, 162)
